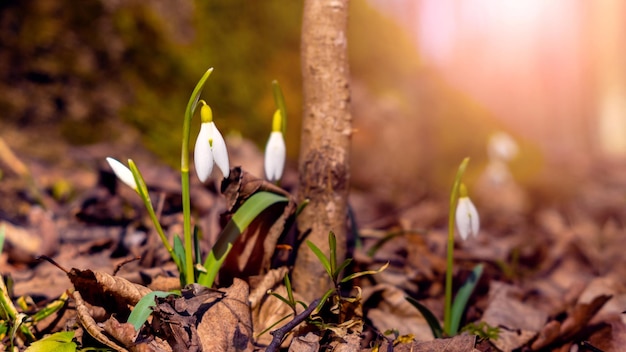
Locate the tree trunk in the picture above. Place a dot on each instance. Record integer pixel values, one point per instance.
(325, 144)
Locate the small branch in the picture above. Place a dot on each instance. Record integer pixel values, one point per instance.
(282, 331)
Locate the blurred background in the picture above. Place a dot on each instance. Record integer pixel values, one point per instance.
(432, 80)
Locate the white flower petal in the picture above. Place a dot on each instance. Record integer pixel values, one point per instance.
(220, 153)
(467, 220)
(202, 156)
(122, 172)
(275, 154)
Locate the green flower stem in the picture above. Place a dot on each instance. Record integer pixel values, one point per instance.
(142, 190)
(454, 198)
(184, 177)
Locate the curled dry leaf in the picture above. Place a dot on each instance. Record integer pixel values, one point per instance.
(111, 294)
(89, 324)
(204, 319)
(114, 293)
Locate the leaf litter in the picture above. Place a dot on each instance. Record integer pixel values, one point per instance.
(554, 273)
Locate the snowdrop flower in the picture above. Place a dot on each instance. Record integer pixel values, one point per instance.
(467, 220)
(275, 150)
(123, 173)
(502, 146)
(210, 146)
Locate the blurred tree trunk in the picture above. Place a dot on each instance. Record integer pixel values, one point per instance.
(325, 144)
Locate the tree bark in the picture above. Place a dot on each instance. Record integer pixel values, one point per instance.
(325, 142)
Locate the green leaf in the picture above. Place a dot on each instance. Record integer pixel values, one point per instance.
(143, 308)
(460, 301)
(2, 230)
(195, 95)
(323, 300)
(321, 256)
(342, 266)
(250, 209)
(332, 244)
(289, 290)
(273, 325)
(58, 342)
(363, 273)
(301, 206)
(432, 321)
(279, 99)
(50, 308)
(283, 299)
(179, 257)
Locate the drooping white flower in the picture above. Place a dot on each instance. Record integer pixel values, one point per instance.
(122, 172)
(275, 150)
(467, 220)
(502, 147)
(210, 147)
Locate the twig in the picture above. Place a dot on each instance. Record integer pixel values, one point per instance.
(282, 331)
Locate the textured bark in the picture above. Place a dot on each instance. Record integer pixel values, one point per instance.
(326, 134)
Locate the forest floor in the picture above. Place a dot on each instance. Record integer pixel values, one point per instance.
(554, 273)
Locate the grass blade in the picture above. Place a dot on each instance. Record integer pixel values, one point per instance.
(432, 321)
(363, 273)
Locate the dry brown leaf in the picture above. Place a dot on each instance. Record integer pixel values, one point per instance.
(456, 343)
(307, 343)
(272, 310)
(41, 237)
(252, 252)
(518, 322)
(580, 315)
(547, 335)
(204, 319)
(395, 312)
(260, 286)
(90, 325)
(113, 293)
(611, 337)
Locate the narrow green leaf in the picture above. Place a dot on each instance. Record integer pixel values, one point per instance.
(332, 244)
(301, 206)
(432, 321)
(196, 244)
(273, 325)
(143, 308)
(321, 256)
(58, 342)
(179, 257)
(289, 290)
(2, 230)
(460, 301)
(283, 299)
(250, 209)
(363, 273)
(50, 308)
(342, 267)
(195, 95)
(279, 99)
(323, 300)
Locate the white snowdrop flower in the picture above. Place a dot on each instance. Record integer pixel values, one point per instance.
(122, 172)
(275, 150)
(502, 146)
(210, 147)
(467, 220)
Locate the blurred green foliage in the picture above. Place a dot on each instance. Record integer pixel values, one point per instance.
(84, 71)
